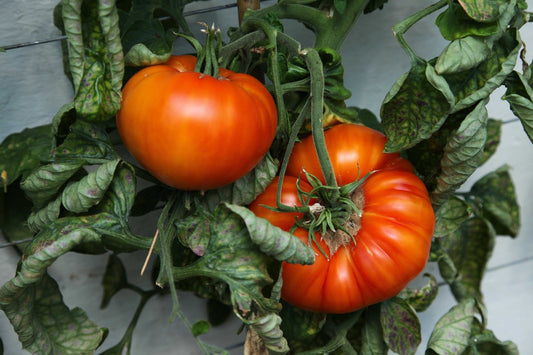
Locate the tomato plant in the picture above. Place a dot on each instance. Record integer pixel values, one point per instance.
(175, 122)
(345, 216)
(391, 231)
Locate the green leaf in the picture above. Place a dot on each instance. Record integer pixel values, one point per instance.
(43, 184)
(454, 23)
(469, 249)
(462, 54)
(200, 327)
(114, 279)
(372, 339)
(80, 196)
(272, 240)
(14, 210)
(340, 5)
(300, 325)
(478, 83)
(452, 332)
(462, 154)
(420, 299)
(496, 195)
(415, 107)
(147, 40)
(374, 5)
(33, 303)
(450, 215)
(146, 200)
(483, 11)
(519, 94)
(401, 327)
(22, 152)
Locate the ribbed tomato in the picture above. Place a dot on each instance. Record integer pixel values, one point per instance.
(193, 131)
(390, 240)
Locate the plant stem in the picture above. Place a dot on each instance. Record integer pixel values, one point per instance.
(314, 63)
(402, 27)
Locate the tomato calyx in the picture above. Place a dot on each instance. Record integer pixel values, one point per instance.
(207, 57)
(336, 215)
(344, 234)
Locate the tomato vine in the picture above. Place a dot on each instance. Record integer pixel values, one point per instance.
(76, 189)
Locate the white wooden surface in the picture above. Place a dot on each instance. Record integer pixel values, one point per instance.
(33, 87)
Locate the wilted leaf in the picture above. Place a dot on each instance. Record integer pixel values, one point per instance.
(268, 329)
(462, 154)
(33, 303)
(86, 142)
(272, 240)
(401, 327)
(519, 94)
(79, 196)
(478, 83)
(496, 195)
(420, 299)
(46, 215)
(494, 131)
(450, 215)
(94, 56)
(469, 248)
(43, 183)
(483, 341)
(452, 332)
(415, 107)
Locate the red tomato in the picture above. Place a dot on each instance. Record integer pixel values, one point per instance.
(193, 131)
(396, 227)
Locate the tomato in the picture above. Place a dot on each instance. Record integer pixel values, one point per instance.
(193, 131)
(391, 237)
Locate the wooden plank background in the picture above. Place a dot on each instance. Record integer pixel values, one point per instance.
(33, 87)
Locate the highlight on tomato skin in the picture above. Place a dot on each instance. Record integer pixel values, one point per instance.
(396, 226)
(193, 131)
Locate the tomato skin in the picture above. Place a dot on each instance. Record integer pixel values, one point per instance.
(193, 131)
(391, 247)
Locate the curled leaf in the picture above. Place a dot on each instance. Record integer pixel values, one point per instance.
(462, 154)
(78, 197)
(452, 331)
(272, 240)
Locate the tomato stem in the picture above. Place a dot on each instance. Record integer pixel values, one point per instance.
(314, 63)
(402, 27)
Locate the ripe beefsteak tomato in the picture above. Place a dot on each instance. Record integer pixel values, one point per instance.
(193, 131)
(391, 237)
